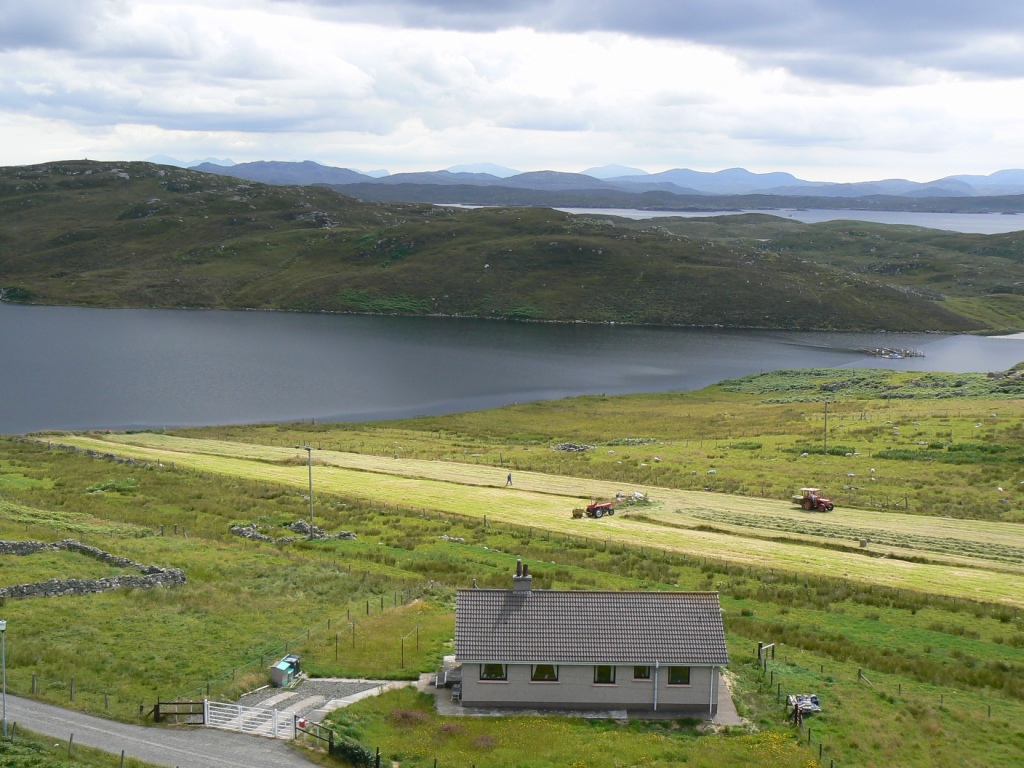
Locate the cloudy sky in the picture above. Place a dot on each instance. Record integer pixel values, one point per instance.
(836, 90)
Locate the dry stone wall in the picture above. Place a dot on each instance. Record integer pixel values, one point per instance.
(149, 575)
(252, 532)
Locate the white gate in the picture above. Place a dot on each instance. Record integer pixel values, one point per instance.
(252, 720)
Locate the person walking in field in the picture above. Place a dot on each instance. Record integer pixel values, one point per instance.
(509, 481)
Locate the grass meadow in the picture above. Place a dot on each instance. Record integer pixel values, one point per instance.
(26, 748)
(914, 642)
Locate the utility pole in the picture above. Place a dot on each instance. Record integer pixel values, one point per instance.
(309, 453)
(824, 451)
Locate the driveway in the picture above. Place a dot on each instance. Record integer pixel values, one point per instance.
(190, 747)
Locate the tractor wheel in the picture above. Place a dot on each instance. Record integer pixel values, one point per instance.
(807, 504)
(598, 513)
(611, 511)
(830, 507)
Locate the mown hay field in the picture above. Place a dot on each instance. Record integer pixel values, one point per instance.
(545, 501)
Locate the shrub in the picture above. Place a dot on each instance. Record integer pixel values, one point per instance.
(353, 753)
(407, 716)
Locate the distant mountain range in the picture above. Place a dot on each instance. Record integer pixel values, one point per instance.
(612, 178)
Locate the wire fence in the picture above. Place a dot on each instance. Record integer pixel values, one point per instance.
(771, 669)
(365, 608)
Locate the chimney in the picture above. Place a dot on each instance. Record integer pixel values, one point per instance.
(522, 580)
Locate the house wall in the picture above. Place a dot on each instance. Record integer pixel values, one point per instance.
(576, 689)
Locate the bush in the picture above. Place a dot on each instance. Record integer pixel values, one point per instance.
(353, 752)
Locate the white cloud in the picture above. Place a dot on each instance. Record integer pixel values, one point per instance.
(422, 85)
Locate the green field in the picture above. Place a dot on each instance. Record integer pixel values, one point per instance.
(141, 235)
(929, 610)
(26, 749)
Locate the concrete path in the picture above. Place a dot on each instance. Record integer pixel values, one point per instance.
(727, 714)
(443, 704)
(192, 747)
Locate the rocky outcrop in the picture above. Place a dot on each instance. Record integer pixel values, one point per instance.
(307, 532)
(150, 575)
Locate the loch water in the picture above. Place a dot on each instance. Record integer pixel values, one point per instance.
(72, 368)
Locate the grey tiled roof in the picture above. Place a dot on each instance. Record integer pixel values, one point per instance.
(589, 627)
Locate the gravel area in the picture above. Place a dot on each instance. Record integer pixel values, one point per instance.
(315, 692)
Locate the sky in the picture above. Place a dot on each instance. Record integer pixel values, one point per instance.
(829, 90)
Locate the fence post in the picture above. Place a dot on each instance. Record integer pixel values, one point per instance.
(122, 758)
(376, 761)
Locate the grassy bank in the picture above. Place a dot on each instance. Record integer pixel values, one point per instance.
(26, 748)
(928, 612)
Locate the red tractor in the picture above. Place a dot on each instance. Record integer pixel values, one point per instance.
(596, 509)
(811, 500)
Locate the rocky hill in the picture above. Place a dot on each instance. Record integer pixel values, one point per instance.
(142, 235)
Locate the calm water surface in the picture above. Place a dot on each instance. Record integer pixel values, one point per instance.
(75, 368)
(979, 223)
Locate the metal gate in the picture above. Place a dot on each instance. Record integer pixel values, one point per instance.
(252, 720)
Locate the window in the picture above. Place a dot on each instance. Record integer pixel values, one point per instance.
(544, 673)
(604, 675)
(493, 672)
(641, 673)
(678, 675)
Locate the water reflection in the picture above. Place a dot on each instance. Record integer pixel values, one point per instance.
(75, 368)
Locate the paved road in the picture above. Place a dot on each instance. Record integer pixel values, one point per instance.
(174, 747)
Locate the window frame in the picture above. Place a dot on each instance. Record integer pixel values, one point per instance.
(611, 674)
(502, 679)
(672, 670)
(645, 677)
(535, 679)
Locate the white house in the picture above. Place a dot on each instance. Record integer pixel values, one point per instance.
(638, 651)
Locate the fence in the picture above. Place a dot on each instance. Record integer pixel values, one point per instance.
(377, 605)
(252, 720)
(179, 712)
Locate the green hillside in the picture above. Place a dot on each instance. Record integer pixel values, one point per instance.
(141, 235)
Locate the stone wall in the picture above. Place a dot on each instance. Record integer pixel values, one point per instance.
(252, 532)
(151, 575)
